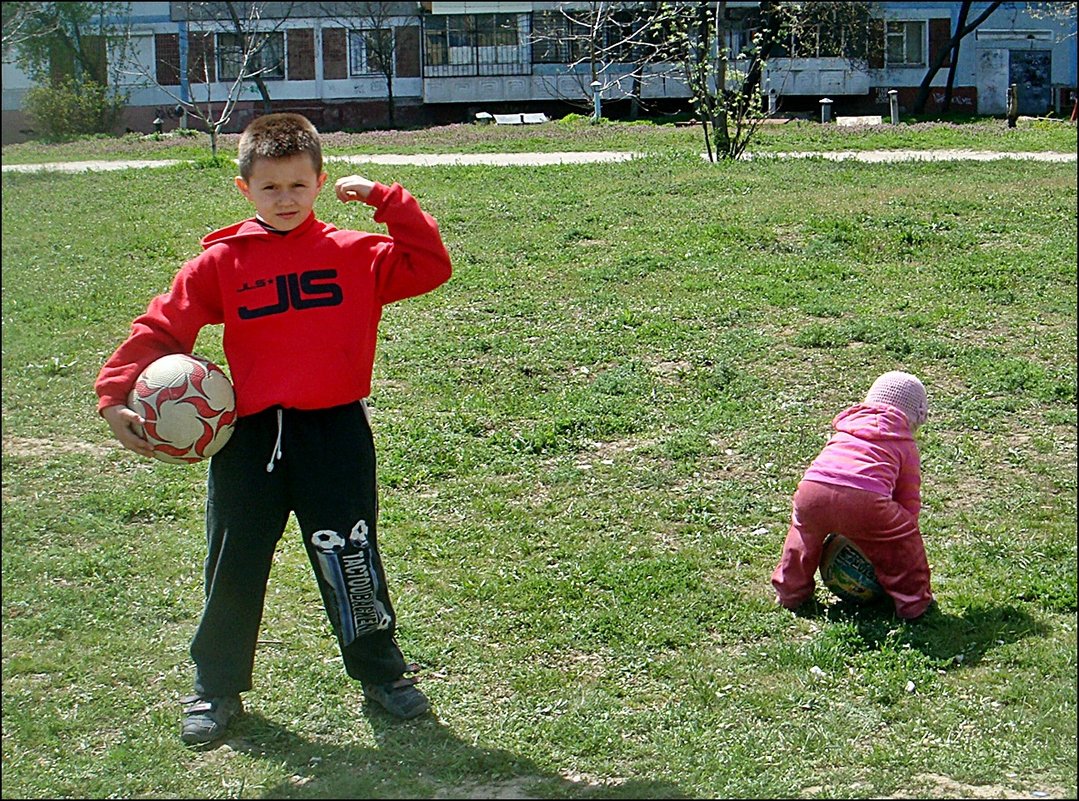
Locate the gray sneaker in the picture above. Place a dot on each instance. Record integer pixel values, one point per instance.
(400, 698)
(205, 719)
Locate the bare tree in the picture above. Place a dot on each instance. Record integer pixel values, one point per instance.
(1058, 11)
(718, 50)
(725, 85)
(962, 28)
(259, 44)
(722, 50)
(372, 41)
(608, 43)
(246, 55)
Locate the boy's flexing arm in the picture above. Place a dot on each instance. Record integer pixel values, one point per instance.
(415, 261)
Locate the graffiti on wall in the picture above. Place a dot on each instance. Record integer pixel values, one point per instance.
(957, 100)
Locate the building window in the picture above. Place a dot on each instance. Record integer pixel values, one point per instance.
(818, 41)
(368, 50)
(496, 30)
(476, 44)
(557, 39)
(268, 56)
(904, 44)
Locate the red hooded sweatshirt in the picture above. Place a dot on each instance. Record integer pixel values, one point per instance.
(300, 309)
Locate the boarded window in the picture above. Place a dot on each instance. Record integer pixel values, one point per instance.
(301, 54)
(408, 51)
(940, 36)
(65, 62)
(334, 54)
(200, 57)
(95, 52)
(167, 59)
(61, 63)
(875, 46)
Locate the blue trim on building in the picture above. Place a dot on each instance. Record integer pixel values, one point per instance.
(185, 88)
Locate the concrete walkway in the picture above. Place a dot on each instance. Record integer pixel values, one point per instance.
(589, 157)
(881, 156)
(420, 159)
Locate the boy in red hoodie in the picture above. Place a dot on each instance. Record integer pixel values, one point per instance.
(300, 302)
(865, 485)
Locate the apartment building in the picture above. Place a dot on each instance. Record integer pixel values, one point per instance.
(361, 65)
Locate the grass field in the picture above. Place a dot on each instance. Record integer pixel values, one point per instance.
(588, 440)
(574, 133)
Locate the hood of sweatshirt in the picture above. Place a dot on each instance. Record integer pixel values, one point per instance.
(253, 228)
(873, 421)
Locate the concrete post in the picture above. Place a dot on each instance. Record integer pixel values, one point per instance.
(826, 109)
(771, 102)
(1013, 105)
(893, 105)
(596, 113)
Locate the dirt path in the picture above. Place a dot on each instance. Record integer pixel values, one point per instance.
(591, 157)
(879, 156)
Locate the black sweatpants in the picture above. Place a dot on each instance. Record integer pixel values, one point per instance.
(323, 469)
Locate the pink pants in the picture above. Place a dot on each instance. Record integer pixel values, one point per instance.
(886, 533)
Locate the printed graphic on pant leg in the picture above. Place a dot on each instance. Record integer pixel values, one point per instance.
(348, 566)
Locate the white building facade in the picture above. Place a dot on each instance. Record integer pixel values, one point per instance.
(449, 60)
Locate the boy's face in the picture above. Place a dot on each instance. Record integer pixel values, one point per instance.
(283, 191)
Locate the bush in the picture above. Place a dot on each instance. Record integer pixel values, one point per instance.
(71, 108)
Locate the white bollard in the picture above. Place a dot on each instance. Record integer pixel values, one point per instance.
(826, 109)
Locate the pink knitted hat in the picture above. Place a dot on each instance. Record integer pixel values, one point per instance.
(903, 391)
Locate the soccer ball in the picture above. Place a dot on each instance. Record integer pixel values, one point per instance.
(328, 540)
(189, 407)
(845, 570)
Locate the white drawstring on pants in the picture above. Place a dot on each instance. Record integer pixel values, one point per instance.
(276, 454)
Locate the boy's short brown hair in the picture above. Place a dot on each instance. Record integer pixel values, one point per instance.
(278, 136)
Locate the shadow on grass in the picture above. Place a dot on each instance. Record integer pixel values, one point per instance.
(965, 638)
(415, 759)
(958, 639)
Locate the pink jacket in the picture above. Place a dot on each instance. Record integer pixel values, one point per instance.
(873, 449)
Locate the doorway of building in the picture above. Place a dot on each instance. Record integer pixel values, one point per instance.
(1029, 70)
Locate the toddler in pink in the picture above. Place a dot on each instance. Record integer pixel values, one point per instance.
(865, 485)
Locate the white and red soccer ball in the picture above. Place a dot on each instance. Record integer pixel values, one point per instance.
(189, 407)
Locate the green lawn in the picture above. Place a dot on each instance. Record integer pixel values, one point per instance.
(588, 440)
(575, 133)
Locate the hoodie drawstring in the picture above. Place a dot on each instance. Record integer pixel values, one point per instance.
(276, 453)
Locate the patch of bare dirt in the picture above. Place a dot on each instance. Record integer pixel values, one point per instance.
(943, 787)
(518, 787)
(36, 446)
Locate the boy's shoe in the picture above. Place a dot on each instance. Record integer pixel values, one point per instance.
(400, 698)
(205, 719)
